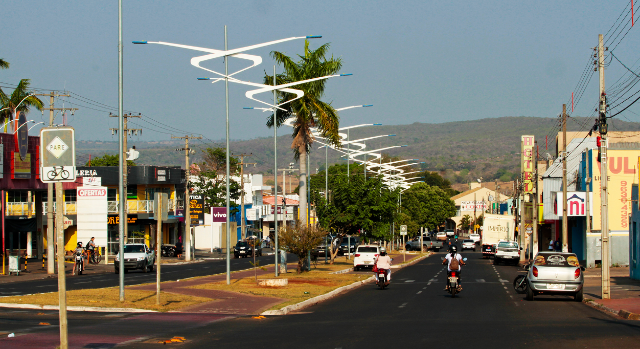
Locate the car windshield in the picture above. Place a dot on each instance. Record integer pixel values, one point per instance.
(242, 244)
(133, 248)
(507, 245)
(467, 241)
(368, 249)
(557, 260)
(441, 233)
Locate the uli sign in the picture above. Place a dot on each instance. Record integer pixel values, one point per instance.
(58, 154)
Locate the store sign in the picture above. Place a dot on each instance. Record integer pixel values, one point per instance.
(20, 168)
(92, 214)
(115, 220)
(527, 163)
(95, 192)
(66, 222)
(474, 206)
(92, 181)
(576, 203)
(196, 209)
(252, 214)
(219, 214)
(22, 135)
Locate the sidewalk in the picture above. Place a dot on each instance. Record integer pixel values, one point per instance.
(625, 292)
(36, 272)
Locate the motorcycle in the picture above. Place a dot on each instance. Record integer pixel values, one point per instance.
(382, 278)
(168, 250)
(521, 282)
(452, 282)
(79, 265)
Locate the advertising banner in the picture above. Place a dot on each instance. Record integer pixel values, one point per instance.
(576, 203)
(92, 214)
(196, 209)
(527, 163)
(479, 206)
(219, 214)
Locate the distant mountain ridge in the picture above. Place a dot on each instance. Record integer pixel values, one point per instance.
(474, 148)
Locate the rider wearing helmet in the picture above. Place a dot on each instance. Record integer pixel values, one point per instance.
(383, 261)
(79, 250)
(453, 254)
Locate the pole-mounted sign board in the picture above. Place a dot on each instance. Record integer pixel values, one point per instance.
(57, 154)
(22, 136)
(196, 209)
(403, 230)
(164, 198)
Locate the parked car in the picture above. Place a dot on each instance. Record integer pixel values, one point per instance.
(321, 249)
(352, 241)
(450, 233)
(428, 243)
(475, 238)
(507, 251)
(488, 250)
(468, 244)
(136, 256)
(244, 249)
(365, 256)
(442, 236)
(555, 273)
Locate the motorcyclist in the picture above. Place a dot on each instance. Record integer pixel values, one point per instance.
(78, 250)
(453, 253)
(383, 261)
(91, 245)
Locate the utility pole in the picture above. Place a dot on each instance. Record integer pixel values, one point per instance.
(51, 269)
(603, 174)
(187, 201)
(243, 234)
(565, 223)
(591, 261)
(126, 132)
(534, 237)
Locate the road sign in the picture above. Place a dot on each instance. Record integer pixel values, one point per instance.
(57, 154)
(403, 230)
(164, 215)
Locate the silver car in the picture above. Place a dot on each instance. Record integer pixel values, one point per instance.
(555, 273)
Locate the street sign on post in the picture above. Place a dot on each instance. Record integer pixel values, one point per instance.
(196, 204)
(57, 154)
(403, 230)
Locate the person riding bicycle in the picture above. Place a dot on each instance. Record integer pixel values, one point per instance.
(383, 261)
(453, 254)
(91, 246)
(78, 250)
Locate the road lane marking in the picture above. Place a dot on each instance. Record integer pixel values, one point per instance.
(502, 280)
(505, 287)
(479, 280)
(403, 305)
(433, 280)
(419, 292)
(424, 288)
(410, 280)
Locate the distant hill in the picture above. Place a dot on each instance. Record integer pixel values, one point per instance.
(461, 151)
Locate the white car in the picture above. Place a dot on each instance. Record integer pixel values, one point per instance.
(507, 251)
(475, 238)
(468, 244)
(136, 256)
(450, 233)
(442, 236)
(365, 256)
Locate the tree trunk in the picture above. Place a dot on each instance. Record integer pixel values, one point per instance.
(300, 260)
(302, 193)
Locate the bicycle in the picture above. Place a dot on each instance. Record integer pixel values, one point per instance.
(53, 174)
(95, 257)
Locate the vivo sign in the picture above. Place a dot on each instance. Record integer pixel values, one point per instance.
(92, 192)
(576, 204)
(219, 214)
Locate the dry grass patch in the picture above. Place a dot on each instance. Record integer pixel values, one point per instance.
(110, 298)
(318, 281)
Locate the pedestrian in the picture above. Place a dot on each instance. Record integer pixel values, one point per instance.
(551, 244)
(179, 247)
(268, 241)
(558, 246)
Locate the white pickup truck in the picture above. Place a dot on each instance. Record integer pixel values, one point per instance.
(136, 256)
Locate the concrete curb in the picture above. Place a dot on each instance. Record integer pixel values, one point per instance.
(621, 313)
(74, 308)
(323, 297)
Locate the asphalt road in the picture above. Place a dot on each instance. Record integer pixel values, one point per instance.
(170, 272)
(414, 312)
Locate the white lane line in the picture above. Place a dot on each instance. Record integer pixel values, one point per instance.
(502, 280)
(410, 280)
(424, 288)
(433, 280)
(428, 283)
(479, 280)
(511, 296)
(419, 292)
(403, 305)
(505, 287)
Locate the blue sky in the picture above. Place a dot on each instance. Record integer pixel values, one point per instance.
(415, 61)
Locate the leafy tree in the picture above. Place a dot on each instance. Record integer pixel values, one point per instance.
(428, 206)
(434, 179)
(211, 182)
(18, 95)
(108, 160)
(300, 239)
(309, 111)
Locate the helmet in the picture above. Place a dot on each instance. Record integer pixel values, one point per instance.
(79, 244)
(453, 249)
(383, 250)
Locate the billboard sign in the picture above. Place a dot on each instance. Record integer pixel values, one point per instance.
(57, 154)
(527, 163)
(196, 209)
(219, 214)
(20, 168)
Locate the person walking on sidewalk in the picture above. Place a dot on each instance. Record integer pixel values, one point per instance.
(179, 247)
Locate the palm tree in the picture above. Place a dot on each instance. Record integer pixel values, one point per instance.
(19, 94)
(308, 111)
(4, 64)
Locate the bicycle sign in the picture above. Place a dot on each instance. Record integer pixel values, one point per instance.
(57, 154)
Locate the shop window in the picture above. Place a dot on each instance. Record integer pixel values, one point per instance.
(17, 196)
(132, 192)
(70, 195)
(111, 195)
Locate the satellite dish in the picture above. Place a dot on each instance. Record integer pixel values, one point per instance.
(133, 154)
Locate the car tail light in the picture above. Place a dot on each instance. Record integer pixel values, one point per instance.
(577, 273)
(535, 271)
(376, 255)
(357, 254)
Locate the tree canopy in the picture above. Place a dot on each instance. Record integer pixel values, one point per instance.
(428, 206)
(108, 160)
(210, 179)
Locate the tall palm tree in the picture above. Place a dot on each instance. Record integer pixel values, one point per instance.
(4, 64)
(308, 111)
(19, 93)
